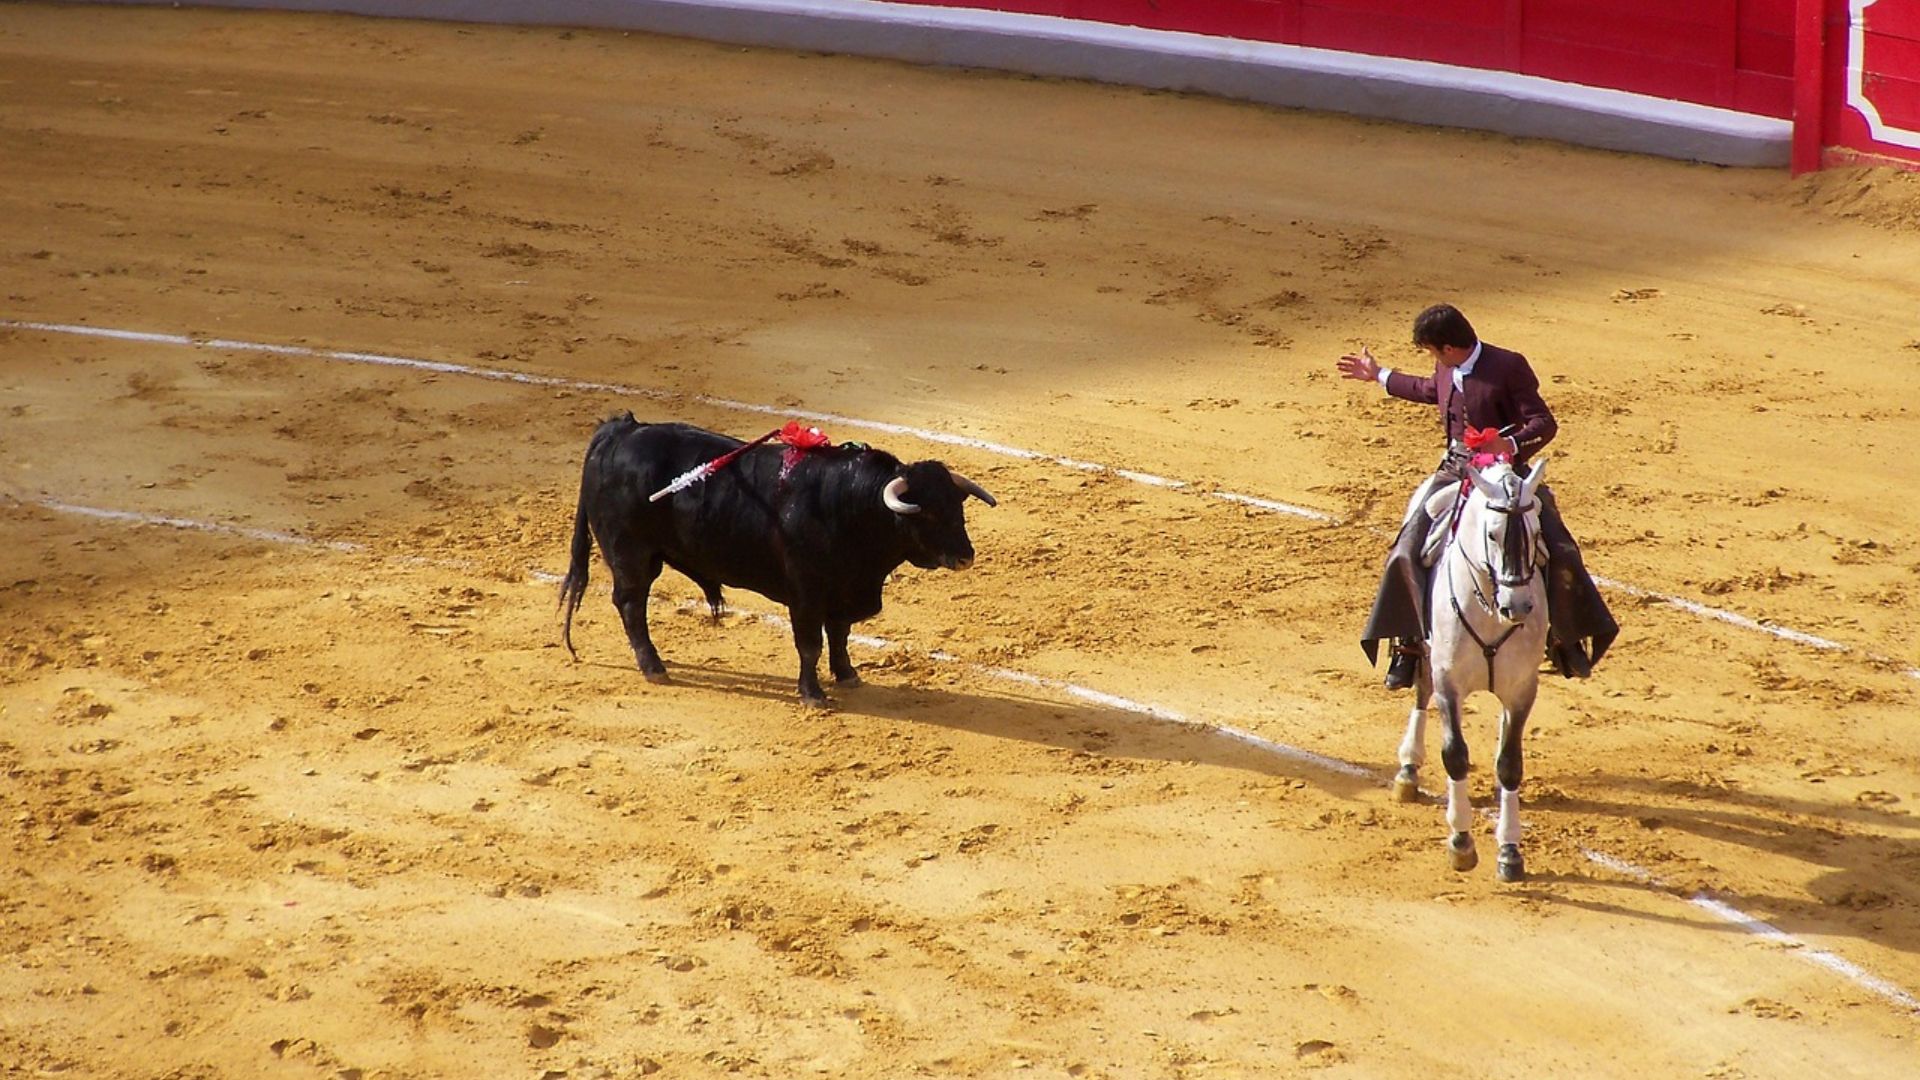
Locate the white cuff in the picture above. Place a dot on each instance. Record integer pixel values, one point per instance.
(1382, 377)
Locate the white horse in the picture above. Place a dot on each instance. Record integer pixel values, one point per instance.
(1488, 607)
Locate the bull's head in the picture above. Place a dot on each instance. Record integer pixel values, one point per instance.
(928, 501)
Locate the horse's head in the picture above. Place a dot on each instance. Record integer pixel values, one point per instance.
(1501, 531)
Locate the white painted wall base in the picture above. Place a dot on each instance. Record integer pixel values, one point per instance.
(1286, 75)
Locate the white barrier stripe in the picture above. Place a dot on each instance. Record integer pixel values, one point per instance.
(879, 425)
(1150, 479)
(1726, 912)
(1798, 637)
(1741, 621)
(129, 516)
(1329, 764)
(1098, 697)
(501, 375)
(1835, 963)
(1276, 507)
(1839, 965)
(1001, 449)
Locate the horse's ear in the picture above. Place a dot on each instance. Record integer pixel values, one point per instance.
(1532, 483)
(1488, 490)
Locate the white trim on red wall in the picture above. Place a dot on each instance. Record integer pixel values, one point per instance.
(1857, 82)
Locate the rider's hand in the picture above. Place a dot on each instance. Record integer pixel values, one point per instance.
(1360, 366)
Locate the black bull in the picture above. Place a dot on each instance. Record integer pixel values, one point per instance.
(819, 532)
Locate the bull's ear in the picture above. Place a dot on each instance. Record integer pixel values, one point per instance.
(968, 487)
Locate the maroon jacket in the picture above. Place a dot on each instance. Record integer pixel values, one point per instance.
(1501, 392)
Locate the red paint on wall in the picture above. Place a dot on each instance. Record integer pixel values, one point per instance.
(1869, 78)
(1735, 54)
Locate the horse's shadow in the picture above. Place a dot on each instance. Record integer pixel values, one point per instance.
(1871, 889)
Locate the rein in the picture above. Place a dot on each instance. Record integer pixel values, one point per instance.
(1488, 649)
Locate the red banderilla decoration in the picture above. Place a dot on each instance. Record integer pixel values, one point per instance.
(795, 436)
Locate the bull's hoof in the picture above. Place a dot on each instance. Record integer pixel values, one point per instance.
(1510, 865)
(658, 678)
(851, 678)
(1406, 785)
(1460, 853)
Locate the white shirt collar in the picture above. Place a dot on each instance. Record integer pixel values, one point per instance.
(1466, 366)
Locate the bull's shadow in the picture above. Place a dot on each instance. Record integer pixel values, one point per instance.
(1079, 727)
(1871, 887)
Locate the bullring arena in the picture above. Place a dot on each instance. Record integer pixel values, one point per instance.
(309, 319)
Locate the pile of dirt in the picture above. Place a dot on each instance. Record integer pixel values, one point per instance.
(1885, 196)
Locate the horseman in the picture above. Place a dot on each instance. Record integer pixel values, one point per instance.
(1476, 386)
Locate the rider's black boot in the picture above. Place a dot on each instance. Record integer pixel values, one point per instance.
(1405, 664)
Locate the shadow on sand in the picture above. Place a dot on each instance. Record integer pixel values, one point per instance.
(1044, 718)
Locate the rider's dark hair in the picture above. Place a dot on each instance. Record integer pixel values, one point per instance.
(1442, 324)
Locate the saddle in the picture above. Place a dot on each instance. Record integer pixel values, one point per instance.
(1440, 507)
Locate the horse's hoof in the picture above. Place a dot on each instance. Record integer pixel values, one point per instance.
(1460, 852)
(1511, 866)
(1406, 785)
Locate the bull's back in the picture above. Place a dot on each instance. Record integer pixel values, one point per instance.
(719, 530)
(626, 453)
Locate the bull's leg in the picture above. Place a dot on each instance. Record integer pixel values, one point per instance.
(838, 661)
(806, 641)
(1413, 746)
(1513, 724)
(1453, 754)
(630, 599)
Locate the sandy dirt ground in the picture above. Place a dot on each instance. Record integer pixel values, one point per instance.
(313, 791)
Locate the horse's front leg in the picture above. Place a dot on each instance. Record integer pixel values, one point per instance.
(1413, 746)
(1453, 754)
(1513, 724)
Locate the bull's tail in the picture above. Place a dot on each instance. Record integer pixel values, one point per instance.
(573, 587)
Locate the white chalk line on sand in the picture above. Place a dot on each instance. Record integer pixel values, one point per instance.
(1725, 912)
(943, 438)
(1837, 964)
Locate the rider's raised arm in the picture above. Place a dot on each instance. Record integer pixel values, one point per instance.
(1414, 387)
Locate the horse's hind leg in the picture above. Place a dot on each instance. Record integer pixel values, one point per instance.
(1453, 754)
(1413, 746)
(1513, 724)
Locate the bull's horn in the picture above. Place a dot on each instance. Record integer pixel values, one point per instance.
(893, 495)
(971, 488)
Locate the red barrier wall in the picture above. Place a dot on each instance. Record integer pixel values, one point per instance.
(1862, 68)
(1734, 54)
